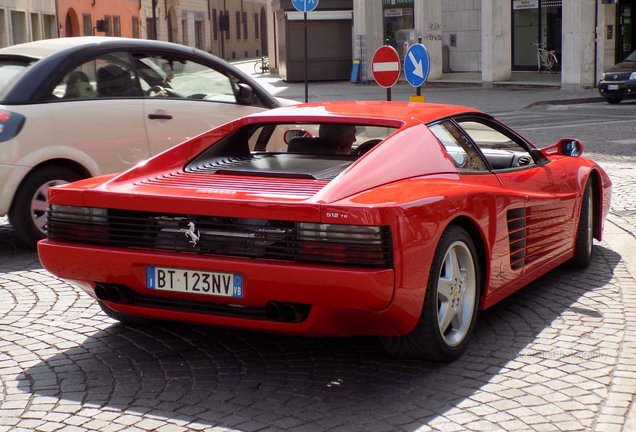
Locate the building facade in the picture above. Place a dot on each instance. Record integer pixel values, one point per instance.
(27, 20)
(496, 37)
(230, 29)
(98, 18)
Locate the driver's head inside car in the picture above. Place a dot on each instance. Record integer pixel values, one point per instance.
(343, 134)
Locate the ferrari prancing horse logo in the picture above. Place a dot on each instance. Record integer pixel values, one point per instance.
(191, 234)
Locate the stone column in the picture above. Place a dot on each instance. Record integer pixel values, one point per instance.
(577, 58)
(368, 22)
(496, 41)
(605, 38)
(428, 24)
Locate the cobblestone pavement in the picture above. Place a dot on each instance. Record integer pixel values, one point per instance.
(558, 355)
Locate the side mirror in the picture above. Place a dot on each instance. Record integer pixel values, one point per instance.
(244, 94)
(293, 133)
(565, 147)
(570, 147)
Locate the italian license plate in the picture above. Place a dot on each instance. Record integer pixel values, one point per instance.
(613, 86)
(194, 281)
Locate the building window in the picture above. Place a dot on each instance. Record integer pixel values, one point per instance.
(184, 30)
(35, 26)
(116, 26)
(149, 34)
(88, 25)
(215, 25)
(198, 34)
(135, 27)
(109, 25)
(226, 27)
(19, 27)
(238, 26)
(50, 27)
(257, 33)
(245, 25)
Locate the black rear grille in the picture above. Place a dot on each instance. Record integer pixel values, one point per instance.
(251, 238)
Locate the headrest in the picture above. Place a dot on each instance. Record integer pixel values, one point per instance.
(312, 145)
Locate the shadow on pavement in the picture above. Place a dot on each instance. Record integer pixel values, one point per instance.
(238, 379)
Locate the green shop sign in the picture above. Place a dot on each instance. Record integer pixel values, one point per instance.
(397, 3)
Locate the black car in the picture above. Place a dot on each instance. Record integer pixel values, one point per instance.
(619, 81)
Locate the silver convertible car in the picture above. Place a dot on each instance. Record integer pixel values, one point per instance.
(80, 107)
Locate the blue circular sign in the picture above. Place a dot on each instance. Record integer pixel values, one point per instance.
(416, 65)
(305, 5)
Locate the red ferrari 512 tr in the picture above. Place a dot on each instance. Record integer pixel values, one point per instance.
(400, 220)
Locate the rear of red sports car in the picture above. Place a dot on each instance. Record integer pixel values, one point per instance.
(235, 228)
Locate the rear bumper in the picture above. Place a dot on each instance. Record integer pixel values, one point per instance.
(343, 301)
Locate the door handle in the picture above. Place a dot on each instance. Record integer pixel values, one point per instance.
(159, 116)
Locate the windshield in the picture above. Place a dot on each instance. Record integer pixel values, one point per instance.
(631, 57)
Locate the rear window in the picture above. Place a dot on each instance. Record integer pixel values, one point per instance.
(301, 150)
(10, 70)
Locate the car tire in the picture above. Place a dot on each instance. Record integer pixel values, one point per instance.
(450, 306)
(613, 100)
(123, 318)
(585, 231)
(28, 210)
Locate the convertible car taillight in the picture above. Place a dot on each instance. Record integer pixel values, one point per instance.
(10, 124)
(78, 222)
(346, 244)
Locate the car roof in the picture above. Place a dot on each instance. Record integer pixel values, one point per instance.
(42, 48)
(363, 111)
(33, 83)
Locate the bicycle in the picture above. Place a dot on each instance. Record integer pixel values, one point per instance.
(546, 59)
(262, 65)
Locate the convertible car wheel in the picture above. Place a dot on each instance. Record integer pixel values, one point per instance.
(450, 307)
(28, 211)
(585, 232)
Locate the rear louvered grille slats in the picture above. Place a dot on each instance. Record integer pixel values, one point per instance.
(212, 182)
(252, 238)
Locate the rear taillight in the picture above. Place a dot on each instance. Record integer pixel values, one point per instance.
(10, 124)
(345, 244)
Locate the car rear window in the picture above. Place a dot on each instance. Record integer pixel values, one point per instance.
(299, 150)
(10, 70)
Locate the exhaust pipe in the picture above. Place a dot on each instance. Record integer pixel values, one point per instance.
(100, 292)
(112, 293)
(286, 312)
(290, 313)
(272, 311)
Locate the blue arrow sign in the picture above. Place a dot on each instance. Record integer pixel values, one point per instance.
(305, 5)
(416, 65)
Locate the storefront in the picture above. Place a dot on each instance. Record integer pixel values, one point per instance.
(535, 21)
(626, 36)
(398, 24)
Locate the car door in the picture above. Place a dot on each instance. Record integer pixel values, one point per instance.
(97, 115)
(540, 222)
(184, 98)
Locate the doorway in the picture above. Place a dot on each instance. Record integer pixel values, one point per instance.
(535, 21)
(626, 40)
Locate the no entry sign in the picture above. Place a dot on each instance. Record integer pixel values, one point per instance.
(386, 66)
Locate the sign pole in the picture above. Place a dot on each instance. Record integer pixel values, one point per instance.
(388, 89)
(306, 67)
(418, 89)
